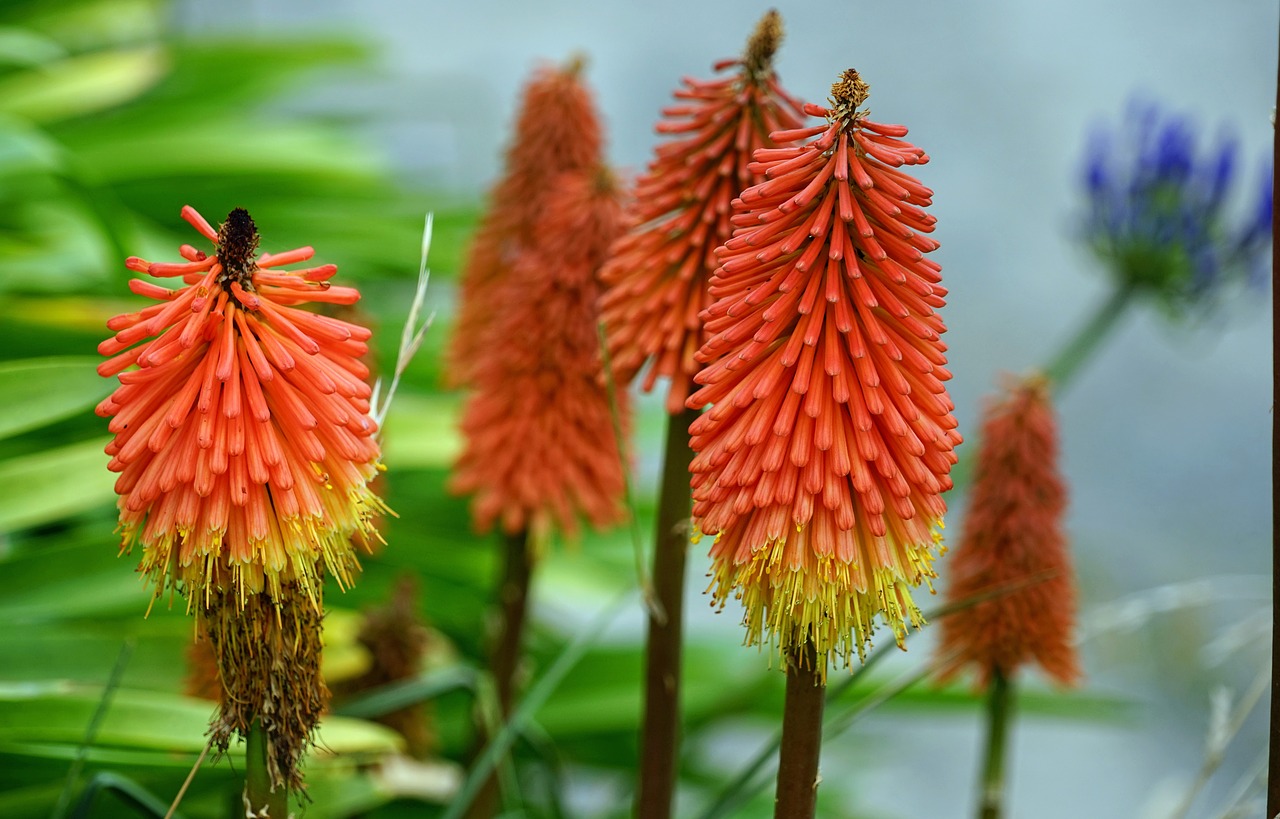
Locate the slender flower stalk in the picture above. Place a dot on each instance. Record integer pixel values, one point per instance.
(556, 130)
(245, 448)
(656, 286)
(1013, 531)
(540, 450)
(821, 464)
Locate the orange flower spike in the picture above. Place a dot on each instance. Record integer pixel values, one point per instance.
(242, 437)
(657, 275)
(821, 465)
(1013, 534)
(556, 130)
(540, 448)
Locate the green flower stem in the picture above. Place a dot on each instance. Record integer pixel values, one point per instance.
(260, 799)
(513, 602)
(999, 708)
(797, 795)
(1064, 366)
(660, 731)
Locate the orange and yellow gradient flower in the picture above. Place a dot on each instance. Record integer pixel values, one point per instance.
(821, 464)
(1013, 537)
(656, 276)
(244, 448)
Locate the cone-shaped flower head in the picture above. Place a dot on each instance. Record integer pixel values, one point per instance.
(821, 465)
(1013, 535)
(556, 130)
(540, 444)
(245, 448)
(656, 277)
(242, 435)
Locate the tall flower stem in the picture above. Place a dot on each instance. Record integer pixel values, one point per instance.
(999, 710)
(260, 799)
(1273, 762)
(797, 793)
(513, 603)
(513, 599)
(1090, 336)
(660, 733)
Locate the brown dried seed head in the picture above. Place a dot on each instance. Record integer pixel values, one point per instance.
(763, 44)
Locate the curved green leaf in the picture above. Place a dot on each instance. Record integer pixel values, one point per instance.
(39, 391)
(54, 484)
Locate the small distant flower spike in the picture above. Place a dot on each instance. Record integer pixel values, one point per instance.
(821, 463)
(244, 448)
(556, 131)
(656, 278)
(1013, 534)
(540, 447)
(1159, 214)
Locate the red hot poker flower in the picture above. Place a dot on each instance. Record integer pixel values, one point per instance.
(821, 465)
(540, 446)
(1013, 534)
(657, 274)
(556, 130)
(242, 430)
(245, 449)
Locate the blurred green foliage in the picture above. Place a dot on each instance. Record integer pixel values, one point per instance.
(109, 124)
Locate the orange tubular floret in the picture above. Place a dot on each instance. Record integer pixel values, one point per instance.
(212, 447)
(657, 273)
(820, 465)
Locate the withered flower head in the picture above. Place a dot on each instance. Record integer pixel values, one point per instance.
(245, 448)
(821, 464)
(556, 130)
(656, 277)
(1013, 547)
(540, 444)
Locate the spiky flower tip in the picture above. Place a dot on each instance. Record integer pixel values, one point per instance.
(540, 449)
(656, 277)
(1013, 547)
(556, 131)
(245, 448)
(821, 464)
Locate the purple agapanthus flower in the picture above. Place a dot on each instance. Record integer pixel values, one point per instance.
(1160, 215)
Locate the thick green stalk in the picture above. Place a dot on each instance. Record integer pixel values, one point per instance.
(999, 708)
(1091, 334)
(797, 795)
(660, 731)
(260, 799)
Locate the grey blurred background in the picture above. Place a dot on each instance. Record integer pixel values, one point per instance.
(1164, 434)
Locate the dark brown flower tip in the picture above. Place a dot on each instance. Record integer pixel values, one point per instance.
(237, 246)
(847, 94)
(763, 44)
(576, 64)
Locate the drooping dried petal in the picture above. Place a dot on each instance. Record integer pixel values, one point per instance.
(656, 277)
(821, 464)
(556, 130)
(540, 444)
(1013, 541)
